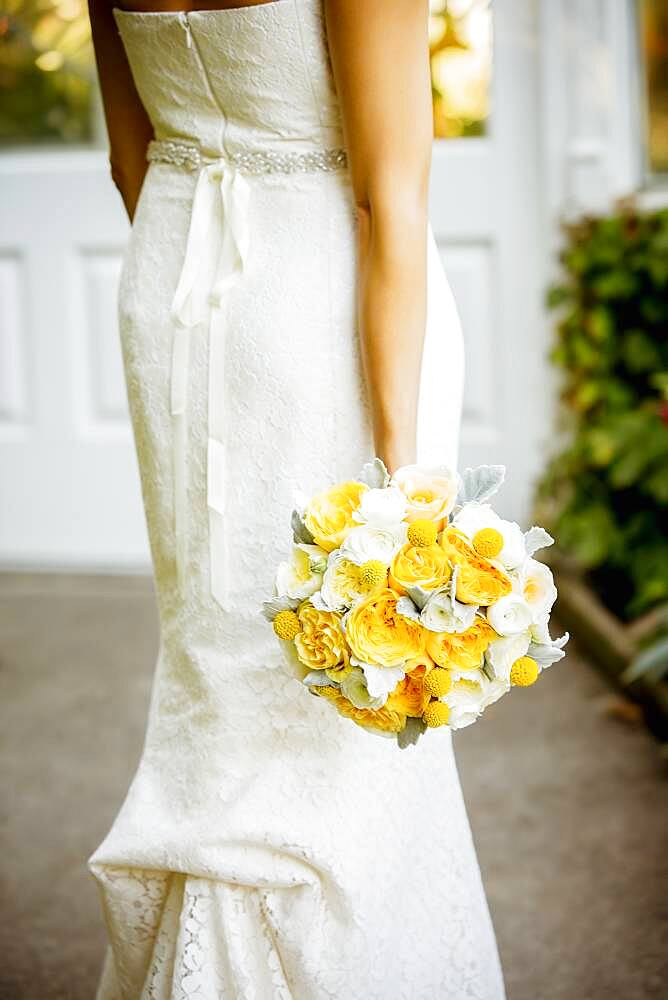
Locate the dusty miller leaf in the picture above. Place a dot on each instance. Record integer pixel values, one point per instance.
(318, 678)
(419, 596)
(480, 484)
(375, 475)
(537, 538)
(407, 608)
(411, 732)
(545, 654)
(272, 607)
(300, 532)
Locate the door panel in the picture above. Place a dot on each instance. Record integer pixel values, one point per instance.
(70, 492)
(486, 219)
(70, 489)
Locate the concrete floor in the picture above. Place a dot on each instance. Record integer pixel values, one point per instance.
(567, 803)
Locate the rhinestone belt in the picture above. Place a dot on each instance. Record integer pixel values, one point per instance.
(188, 156)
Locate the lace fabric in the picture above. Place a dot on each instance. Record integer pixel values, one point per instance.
(267, 847)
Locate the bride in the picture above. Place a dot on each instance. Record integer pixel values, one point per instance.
(276, 288)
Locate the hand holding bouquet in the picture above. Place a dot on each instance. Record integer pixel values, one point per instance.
(408, 603)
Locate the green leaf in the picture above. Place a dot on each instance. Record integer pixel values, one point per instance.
(652, 663)
(639, 352)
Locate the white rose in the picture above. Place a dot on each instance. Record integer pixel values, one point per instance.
(510, 615)
(353, 686)
(368, 542)
(443, 614)
(340, 584)
(493, 690)
(474, 517)
(534, 581)
(380, 681)
(464, 699)
(431, 492)
(502, 653)
(381, 508)
(301, 575)
(468, 699)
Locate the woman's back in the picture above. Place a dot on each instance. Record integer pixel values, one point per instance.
(241, 81)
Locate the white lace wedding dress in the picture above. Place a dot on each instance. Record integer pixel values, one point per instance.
(267, 847)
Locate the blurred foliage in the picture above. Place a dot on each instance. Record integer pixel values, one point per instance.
(651, 663)
(605, 495)
(460, 47)
(46, 72)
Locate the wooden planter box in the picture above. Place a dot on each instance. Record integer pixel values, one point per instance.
(609, 642)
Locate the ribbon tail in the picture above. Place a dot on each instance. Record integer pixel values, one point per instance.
(233, 251)
(189, 305)
(189, 308)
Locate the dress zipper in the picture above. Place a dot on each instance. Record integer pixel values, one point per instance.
(185, 24)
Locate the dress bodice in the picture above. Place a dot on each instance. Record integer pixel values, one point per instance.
(244, 79)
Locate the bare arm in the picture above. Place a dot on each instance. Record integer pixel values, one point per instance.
(379, 51)
(127, 123)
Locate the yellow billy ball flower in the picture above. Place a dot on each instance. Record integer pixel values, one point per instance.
(422, 533)
(438, 682)
(372, 573)
(436, 714)
(488, 542)
(524, 671)
(287, 625)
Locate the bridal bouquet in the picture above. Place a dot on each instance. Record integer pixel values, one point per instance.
(408, 603)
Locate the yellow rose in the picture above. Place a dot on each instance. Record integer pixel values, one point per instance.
(321, 643)
(424, 566)
(385, 719)
(376, 633)
(419, 665)
(431, 493)
(479, 581)
(409, 696)
(329, 515)
(464, 650)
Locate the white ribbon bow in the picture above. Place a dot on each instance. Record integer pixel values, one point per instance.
(216, 251)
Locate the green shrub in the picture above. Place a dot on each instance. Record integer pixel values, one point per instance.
(605, 495)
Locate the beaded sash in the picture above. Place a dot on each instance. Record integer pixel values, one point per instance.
(257, 161)
(216, 253)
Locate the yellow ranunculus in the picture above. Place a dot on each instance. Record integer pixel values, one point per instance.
(419, 665)
(321, 643)
(463, 651)
(425, 566)
(410, 696)
(386, 719)
(377, 634)
(479, 581)
(329, 515)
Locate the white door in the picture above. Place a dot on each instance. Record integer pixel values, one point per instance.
(69, 493)
(69, 488)
(485, 212)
